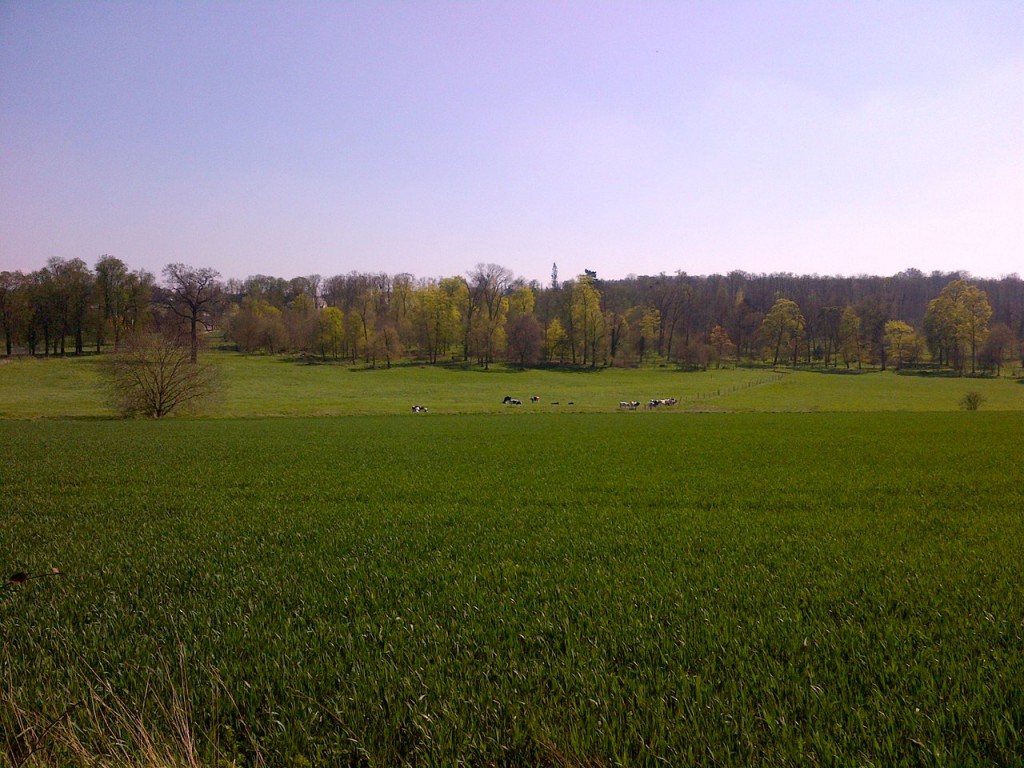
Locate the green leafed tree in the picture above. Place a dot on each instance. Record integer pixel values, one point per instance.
(782, 330)
(902, 343)
(330, 336)
(956, 324)
(556, 341)
(587, 329)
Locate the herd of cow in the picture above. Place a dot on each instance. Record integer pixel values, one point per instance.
(632, 405)
(629, 405)
(509, 400)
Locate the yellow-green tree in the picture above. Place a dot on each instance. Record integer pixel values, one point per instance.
(956, 322)
(588, 322)
(976, 316)
(782, 330)
(490, 286)
(556, 341)
(354, 334)
(330, 331)
(901, 342)
(256, 325)
(521, 302)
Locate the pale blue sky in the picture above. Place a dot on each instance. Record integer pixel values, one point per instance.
(627, 137)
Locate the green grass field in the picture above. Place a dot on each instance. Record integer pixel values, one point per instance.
(553, 589)
(273, 386)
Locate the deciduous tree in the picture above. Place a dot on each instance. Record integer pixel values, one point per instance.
(330, 331)
(192, 295)
(12, 306)
(587, 319)
(154, 375)
(901, 343)
(851, 337)
(782, 329)
(556, 341)
(957, 321)
(525, 339)
(997, 349)
(720, 343)
(490, 285)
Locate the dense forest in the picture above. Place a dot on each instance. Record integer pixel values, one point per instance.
(946, 320)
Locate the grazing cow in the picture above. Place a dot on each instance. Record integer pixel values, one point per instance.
(419, 409)
(534, 398)
(571, 403)
(509, 400)
(631, 405)
(662, 401)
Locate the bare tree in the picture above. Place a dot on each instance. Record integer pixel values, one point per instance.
(154, 376)
(525, 340)
(193, 295)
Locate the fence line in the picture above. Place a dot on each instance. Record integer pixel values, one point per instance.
(775, 377)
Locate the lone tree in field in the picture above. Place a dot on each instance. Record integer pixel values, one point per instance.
(154, 376)
(192, 295)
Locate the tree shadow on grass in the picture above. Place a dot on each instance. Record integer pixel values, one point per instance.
(103, 417)
(843, 371)
(503, 368)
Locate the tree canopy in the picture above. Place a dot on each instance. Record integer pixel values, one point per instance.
(490, 315)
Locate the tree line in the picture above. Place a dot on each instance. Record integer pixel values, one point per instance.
(489, 315)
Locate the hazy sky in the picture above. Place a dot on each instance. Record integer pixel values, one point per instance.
(292, 138)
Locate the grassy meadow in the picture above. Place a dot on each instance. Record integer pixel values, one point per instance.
(262, 385)
(484, 585)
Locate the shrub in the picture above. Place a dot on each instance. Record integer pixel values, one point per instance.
(972, 401)
(154, 376)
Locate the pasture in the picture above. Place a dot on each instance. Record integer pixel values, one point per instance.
(258, 385)
(552, 589)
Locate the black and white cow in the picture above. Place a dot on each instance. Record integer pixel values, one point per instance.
(662, 401)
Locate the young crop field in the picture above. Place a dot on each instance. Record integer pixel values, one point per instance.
(554, 589)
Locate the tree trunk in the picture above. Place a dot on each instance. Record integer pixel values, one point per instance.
(195, 340)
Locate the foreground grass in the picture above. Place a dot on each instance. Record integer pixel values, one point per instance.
(275, 386)
(693, 589)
